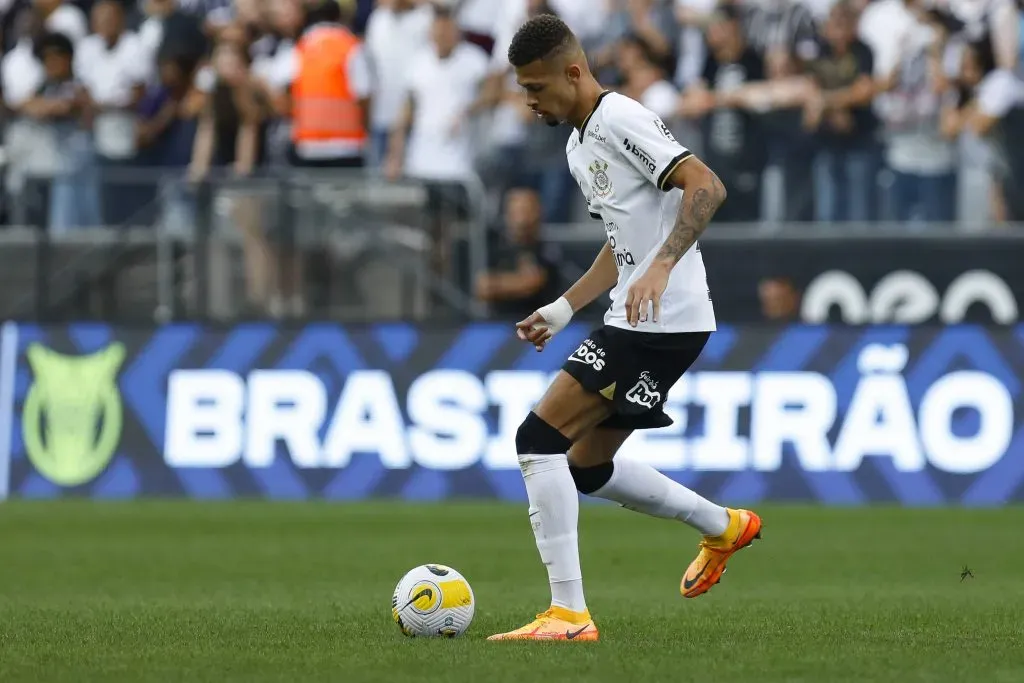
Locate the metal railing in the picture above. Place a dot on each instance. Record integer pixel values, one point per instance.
(337, 244)
(349, 246)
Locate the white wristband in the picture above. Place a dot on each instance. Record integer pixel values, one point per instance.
(557, 314)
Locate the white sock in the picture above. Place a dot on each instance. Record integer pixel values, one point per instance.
(554, 515)
(641, 488)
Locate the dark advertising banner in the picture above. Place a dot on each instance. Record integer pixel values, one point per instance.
(860, 280)
(846, 416)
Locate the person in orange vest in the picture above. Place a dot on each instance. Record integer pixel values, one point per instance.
(330, 92)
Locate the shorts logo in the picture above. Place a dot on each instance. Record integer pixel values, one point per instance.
(644, 392)
(602, 183)
(588, 353)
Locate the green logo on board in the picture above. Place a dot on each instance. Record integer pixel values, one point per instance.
(72, 417)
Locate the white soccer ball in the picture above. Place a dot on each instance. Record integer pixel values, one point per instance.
(433, 600)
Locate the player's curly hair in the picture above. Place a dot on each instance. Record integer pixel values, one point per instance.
(539, 38)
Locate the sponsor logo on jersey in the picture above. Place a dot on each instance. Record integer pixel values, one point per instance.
(595, 133)
(641, 154)
(623, 256)
(644, 392)
(590, 354)
(602, 183)
(663, 129)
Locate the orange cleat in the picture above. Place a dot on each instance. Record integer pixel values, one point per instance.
(705, 571)
(557, 623)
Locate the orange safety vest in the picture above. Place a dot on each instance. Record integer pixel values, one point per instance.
(325, 112)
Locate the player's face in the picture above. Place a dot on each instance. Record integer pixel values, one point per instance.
(550, 88)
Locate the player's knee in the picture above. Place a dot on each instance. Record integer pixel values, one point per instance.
(590, 479)
(537, 437)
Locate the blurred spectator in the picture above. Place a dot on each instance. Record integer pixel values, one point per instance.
(780, 299)
(883, 27)
(63, 105)
(432, 139)
(520, 150)
(165, 134)
(61, 16)
(993, 109)
(113, 66)
(649, 20)
(394, 31)
(273, 72)
(169, 29)
(782, 27)
(693, 17)
(734, 144)
(330, 92)
(522, 278)
(230, 139)
(839, 110)
(644, 78)
(922, 160)
(995, 20)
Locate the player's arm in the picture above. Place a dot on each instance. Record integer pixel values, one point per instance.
(547, 321)
(599, 278)
(703, 193)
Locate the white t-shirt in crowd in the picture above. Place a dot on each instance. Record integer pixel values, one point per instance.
(22, 74)
(440, 146)
(390, 38)
(883, 27)
(277, 69)
(622, 160)
(586, 18)
(662, 98)
(110, 73)
(70, 21)
(479, 16)
(999, 92)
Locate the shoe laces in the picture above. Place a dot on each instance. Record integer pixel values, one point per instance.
(705, 545)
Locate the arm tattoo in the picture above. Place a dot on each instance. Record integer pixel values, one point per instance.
(695, 212)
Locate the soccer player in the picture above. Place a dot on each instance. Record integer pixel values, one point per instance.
(655, 199)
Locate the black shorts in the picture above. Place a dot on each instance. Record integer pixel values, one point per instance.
(634, 370)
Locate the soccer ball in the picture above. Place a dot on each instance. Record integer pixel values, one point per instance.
(433, 600)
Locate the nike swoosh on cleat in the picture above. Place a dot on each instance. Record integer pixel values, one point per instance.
(689, 583)
(569, 635)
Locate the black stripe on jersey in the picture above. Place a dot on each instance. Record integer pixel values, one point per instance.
(672, 166)
(583, 128)
(595, 216)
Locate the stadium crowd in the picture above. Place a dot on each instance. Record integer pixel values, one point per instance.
(823, 110)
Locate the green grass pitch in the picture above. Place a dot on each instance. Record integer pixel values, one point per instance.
(226, 592)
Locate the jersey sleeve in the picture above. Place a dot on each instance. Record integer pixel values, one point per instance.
(646, 142)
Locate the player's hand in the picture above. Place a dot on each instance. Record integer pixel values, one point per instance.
(534, 330)
(545, 323)
(645, 294)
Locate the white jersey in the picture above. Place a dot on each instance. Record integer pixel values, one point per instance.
(622, 159)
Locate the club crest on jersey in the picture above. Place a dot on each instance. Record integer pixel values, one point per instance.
(602, 183)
